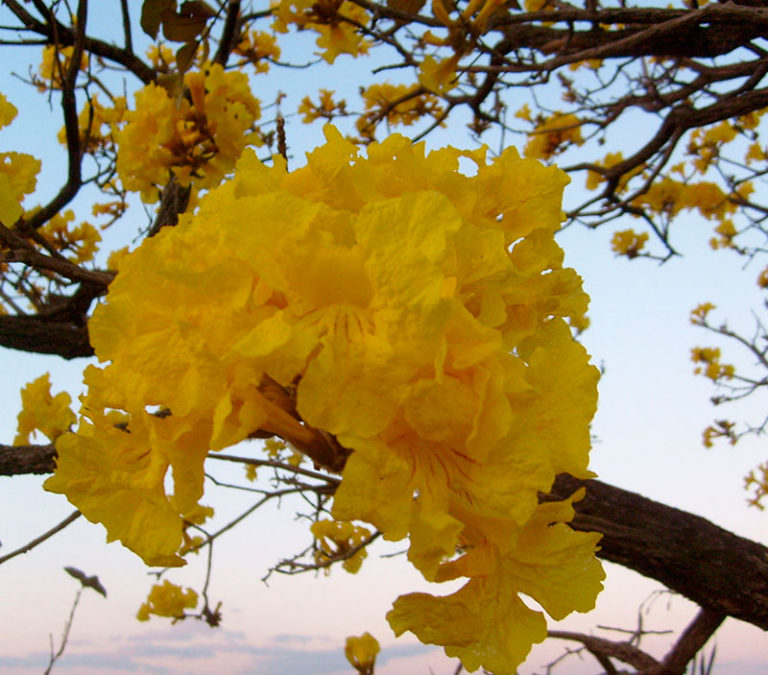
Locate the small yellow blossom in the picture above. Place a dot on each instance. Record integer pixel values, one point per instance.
(326, 107)
(628, 242)
(167, 600)
(8, 111)
(258, 48)
(757, 481)
(334, 21)
(553, 136)
(18, 177)
(699, 314)
(439, 75)
(42, 411)
(361, 653)
(198, 139)
(336, 540)
(81, 242)
(98, 124)
(762, 279)
(55, 63)
(397, 104)
(709, 358)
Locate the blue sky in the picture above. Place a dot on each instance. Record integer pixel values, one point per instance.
(648, 439)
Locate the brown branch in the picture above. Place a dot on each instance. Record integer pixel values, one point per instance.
(66, 36)
(694, 637)
(39, 336)
(229, 34)
(17, 460)
(43, 537)
(707, 564)
(623, 651)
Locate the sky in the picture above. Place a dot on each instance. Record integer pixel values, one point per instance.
(647, 432)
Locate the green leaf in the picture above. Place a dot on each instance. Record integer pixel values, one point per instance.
(152, 15)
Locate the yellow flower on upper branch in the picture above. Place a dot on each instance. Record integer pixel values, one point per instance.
(8, 111)
(416, 315)
(699, 314)
(762, 279)
(553, 136)
(334, 20)
(628, 242)
(98, 124)
(258, 48)
(361, 653)
(726, 231)
(594, 178)
(82, 241)
(326, 107)
(168, 600)
(397, 104)
(18, 172)
(42, 411)
(336, 540)
(439, 75)
(198, 138)
(709, 358)
(56, 62)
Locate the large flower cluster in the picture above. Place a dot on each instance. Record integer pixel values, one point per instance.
(197, 136)
(414, 315)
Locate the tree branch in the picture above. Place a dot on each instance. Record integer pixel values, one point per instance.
(17, 460)
(707, 564)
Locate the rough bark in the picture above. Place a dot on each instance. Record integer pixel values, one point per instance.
(709, 565)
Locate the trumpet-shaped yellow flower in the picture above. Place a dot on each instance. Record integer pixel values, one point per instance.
(361, 653)
(197, 138)
(417, 316)
(42, 411)
(167, 600)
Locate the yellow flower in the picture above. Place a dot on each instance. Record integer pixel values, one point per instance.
(361, 653)
(628, 242)
(439, 76)
(334, 20)
(325, 108)
(198, 139)
(167, 600)
(553, 136)
(82, 241)
(97, 123)
(8, 111)
(18, 173)
(762, 279)
(397, 104)
(336, 540)
(699, 314)
(258, 48)
(416, 315)
(55, 63)
(42, 411)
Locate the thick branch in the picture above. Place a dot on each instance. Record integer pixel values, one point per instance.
(16, 460)
(33, 334)
(713, 567)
